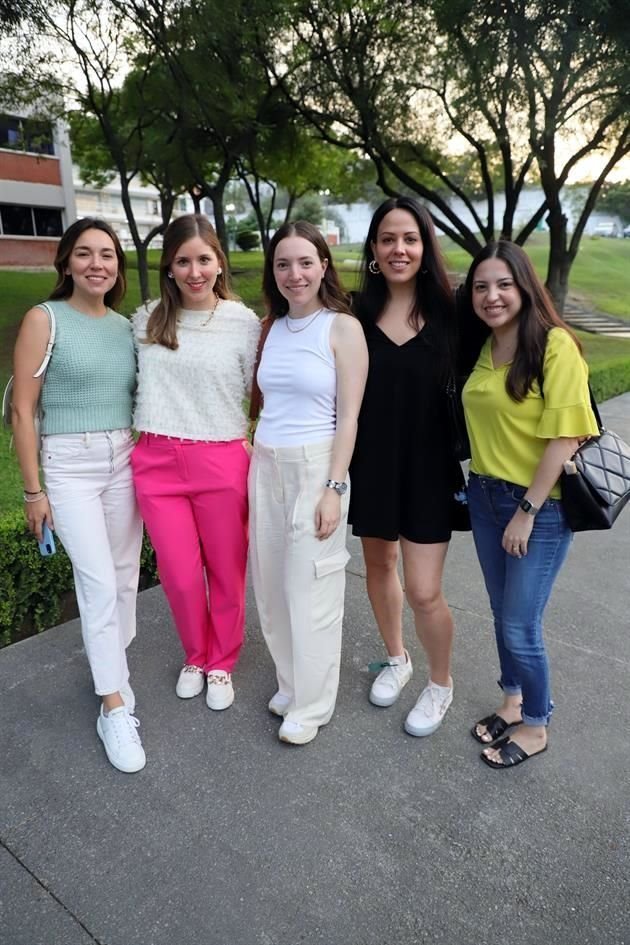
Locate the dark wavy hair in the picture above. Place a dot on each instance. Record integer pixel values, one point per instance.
(331, 293)
(162, 323)
(64, 286)
(433, 294)
(536, 319)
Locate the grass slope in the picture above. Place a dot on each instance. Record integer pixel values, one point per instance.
(600, 274)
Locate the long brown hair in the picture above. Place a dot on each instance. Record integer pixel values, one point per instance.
(535, 320)
(331, 293)
(162, 323)
(64, 286)
(433, 297)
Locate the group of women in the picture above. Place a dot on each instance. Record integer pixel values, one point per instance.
(345, 384)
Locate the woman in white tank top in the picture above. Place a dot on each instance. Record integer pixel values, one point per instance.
(312, 373)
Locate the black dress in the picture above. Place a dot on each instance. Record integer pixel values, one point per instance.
(403, 476)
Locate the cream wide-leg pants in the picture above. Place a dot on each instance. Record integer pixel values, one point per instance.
(299, 581)
(91, 494)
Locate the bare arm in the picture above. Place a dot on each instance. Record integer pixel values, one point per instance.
(30, 349)
(351, 359)
(519, 528)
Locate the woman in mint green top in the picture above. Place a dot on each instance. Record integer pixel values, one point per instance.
(527, 407)
(86, 396)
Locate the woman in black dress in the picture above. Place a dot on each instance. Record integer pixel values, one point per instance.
(403, 473)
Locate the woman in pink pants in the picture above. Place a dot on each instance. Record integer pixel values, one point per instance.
(196, 353)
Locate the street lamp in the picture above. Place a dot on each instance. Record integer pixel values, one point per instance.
(325, 194)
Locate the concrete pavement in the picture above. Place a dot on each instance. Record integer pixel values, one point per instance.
(364, 837)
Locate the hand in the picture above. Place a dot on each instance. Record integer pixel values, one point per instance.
(327, 514)
(36, 514)
(247, 446)
(516, 534)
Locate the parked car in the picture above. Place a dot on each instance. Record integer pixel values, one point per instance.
(626, 232)
(607, 228)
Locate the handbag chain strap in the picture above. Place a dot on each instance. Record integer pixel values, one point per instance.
(595, 409)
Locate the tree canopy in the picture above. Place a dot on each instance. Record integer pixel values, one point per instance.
(461, 103)
(615, 198)
(456, 99)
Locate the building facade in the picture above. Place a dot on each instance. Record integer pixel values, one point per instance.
(106, 203)
(36, 190)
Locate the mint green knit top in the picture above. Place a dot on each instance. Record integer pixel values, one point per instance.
(91, 378)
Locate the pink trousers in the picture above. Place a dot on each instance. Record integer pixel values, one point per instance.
(192, 496)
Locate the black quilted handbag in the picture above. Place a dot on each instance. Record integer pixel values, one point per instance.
(595, 493)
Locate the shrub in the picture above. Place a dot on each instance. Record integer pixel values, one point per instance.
(35, 591)
(247, 240)
(609, 378)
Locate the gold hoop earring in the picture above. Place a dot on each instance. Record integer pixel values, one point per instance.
(374, 268)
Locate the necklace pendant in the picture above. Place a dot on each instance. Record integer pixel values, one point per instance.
(211, 313)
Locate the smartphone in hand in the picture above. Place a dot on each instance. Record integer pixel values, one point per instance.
(47, 544)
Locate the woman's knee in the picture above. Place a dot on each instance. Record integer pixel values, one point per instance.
(424, 598)
(381, 557)
(523, 639)
(382, 569)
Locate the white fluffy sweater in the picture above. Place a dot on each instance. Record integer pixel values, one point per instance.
(197, 391)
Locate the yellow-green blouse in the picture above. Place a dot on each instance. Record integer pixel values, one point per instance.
(507, 438)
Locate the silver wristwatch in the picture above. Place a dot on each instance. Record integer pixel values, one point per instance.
(527, 506)
(339, 487)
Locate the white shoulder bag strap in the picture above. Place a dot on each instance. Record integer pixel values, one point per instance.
(51, 341)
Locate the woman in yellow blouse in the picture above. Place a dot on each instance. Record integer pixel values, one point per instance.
(527, 407)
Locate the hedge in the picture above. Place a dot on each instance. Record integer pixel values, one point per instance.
(247, 239)
(610, 378)
(36, 591)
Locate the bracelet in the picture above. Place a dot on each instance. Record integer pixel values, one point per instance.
(37, 492)
(34, 496)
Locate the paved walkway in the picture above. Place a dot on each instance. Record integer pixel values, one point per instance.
(364, 837)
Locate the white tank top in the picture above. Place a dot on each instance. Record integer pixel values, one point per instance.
(298, 380)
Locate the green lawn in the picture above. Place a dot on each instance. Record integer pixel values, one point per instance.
(601, 274)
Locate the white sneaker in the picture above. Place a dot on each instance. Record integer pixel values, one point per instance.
(279, 704)
(396, 673)
(296, 734)
(190, 682)
(128, 697)
(428, 712)
(121, 741)
(220, 692)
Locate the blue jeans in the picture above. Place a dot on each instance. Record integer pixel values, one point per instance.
(519, 588)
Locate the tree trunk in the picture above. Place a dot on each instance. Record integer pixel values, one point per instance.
(143, 270)
(560, 260)
(253, 192)
(216, 197)
(141, 250)
(290, 205)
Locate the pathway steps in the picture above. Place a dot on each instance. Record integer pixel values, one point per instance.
(585, 319)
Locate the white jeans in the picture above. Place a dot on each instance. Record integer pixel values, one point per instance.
(299, 581)
(91, 494)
